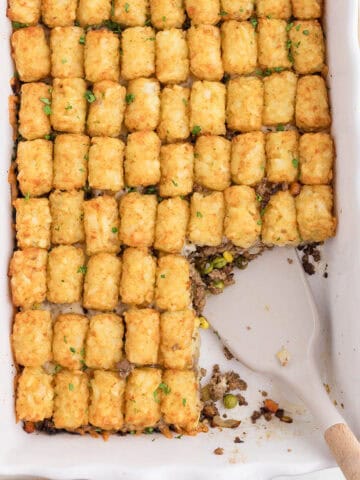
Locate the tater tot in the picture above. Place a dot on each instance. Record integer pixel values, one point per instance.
(143, 104)
(307, 46)
(274, 8)
(316, 153)
(312, 111)
(212, 162)
(137, 277)
(279, 225)
(102, 280)
(142, 404)
(68, 106)
(171, 225)
(204, 43)
(237, 9)
(106, 113)
(70, 161)
(25, 12)
(94, 12)
(35, 167)
(106, 157)
(138, 52)
(207, 108)
(203, 11)
(137, 214)
(172, 291)
(67, 52)
(177, 333)
(206, 219)
(242, 223)
(71, 400)
(102, 56)
(67, 217)
(272, 44)
(279, 98)
(307, 9)
(58, 13)
(248, 158)
(142, 162)
(314, 207)
(244, 104)
(181, 406)
(27, 45)
(31, 338)
(177, 169)
(27, 273)
(33, 222)
(69, 340)
(167, 14)
(239, 47)
(142, 336)
(106, 400)
(104, 341)
(172, 62)
(65, 274)
(131, 13)
(33, 121)
(174, 114)
(282, 156)
(34, 395)
(101, 223)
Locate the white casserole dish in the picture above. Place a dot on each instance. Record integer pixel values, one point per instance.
(271, 449)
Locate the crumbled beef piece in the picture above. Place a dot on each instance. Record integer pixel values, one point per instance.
(308, 251)
(219, 451)
(266, 189)
(237, 440)
(241, 399)
(279, 413)
(234, 382)
(268, 416)
(255, 416)
(198, 290)
(307, 266)
(125, 368)
(48, 427)
(210, 410)
(228, 354)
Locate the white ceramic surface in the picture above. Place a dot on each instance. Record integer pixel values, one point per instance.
(270, 448)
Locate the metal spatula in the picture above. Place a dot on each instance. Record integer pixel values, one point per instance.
(270, 311)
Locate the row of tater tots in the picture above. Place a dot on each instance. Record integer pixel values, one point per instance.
(105, 400)
(234, 213)
(163, 14)
(205, 51)
(212, 163)
(244, 104)
(168, 339)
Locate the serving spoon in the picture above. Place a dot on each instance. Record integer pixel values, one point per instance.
(271, 325)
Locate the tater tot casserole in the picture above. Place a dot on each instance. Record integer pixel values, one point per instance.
(158, 145)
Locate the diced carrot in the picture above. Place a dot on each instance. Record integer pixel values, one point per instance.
(271, 405)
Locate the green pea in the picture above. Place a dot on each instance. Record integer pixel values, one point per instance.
(230, 401)
(219, 262)
(219, 284)
(241, 262)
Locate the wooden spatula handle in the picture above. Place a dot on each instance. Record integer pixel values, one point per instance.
(345, 448)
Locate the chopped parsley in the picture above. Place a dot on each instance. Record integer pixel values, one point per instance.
(164, 19)
(17, 25)
(90, 97)
(306, 32)
(114, 230)
(152, 39)
(82, 40)
(185, 102)
(295, 162)
(72, 350)
(57, 368)
(223, 13)
(149, 430)
(71, 387)
(174, 183)
(82, 269)
(27, 196)
(297, 28)
(253, 22)
(259, 222)
(68, 107)
(280, 128)
(65, 339)
(164, 388)
(183, 401)
(289, 26)
(47, 106)
(163, 275)
(64, 60)
(199, 214)
(196, 130)
(127, 7)
(130, 97)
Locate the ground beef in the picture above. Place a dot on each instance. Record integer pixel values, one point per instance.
(198, 288)
(210, 410)
(266, 189)
(125, 368)
(310, 251)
